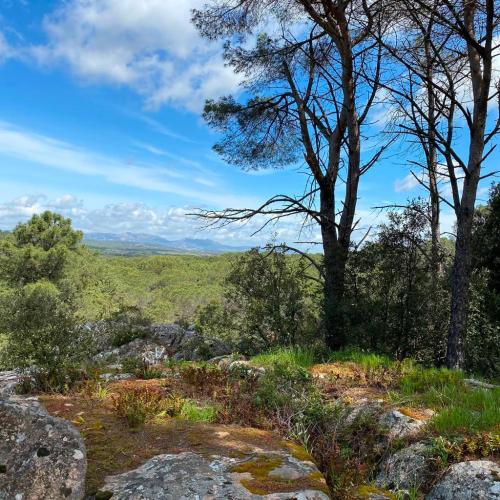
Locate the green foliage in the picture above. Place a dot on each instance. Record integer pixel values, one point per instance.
(38, 249)
(361, 357)
(268, 302)
(198, 413)
(466, 411)
(399, 305)
(127, 324)
(139, 368)
(40, 325)
(430, 379)
(282, 383)
(37, 300)
(461, 409)
(165, 288)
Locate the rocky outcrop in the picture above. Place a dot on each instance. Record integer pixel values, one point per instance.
(160, 342)
(405, 469)
(40, 456)
(475, 480)
(188, 475)
(8, 382)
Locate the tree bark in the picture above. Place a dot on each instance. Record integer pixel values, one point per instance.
(481, 72)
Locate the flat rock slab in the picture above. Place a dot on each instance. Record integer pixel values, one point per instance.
(188, 476)
(41, 457)
(475, 480)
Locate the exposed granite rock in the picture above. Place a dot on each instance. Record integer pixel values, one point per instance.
(400, 425)
(188, 476)
(479, 384)
(475, 480)
(160, 342)
(8, 382)
(40, 456)
(115, 377)
(405, 469)
(365, 408)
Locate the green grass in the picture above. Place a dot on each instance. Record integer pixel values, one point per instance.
(365, 359)
(460, 409)
(198, 413)
(303, 357)
(429, 380)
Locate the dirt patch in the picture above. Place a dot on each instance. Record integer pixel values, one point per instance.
(113, 447)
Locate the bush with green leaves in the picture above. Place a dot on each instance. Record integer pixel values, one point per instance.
(37, 301)
(268, 301)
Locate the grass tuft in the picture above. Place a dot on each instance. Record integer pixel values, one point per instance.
(198, 413)
(303, 357)
(365, 359)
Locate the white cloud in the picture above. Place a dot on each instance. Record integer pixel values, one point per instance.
(408, 183)
(6, 51)
(148, 45)
(43, 150)
(171, 223)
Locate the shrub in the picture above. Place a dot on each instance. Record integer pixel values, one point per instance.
(37, 302)
(268, 302)
(41, 330)
(138, 404)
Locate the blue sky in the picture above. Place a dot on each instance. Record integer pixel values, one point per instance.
(100, 120)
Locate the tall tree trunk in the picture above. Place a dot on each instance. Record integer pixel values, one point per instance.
(461, 279)
(481, 72)
(334, 265)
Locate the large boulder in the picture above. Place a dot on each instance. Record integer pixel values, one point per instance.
(475, 480)
(188, 475)
(40, 456)
(405, 469)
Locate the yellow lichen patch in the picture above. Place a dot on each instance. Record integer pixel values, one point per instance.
(262, 482)
(357, 394)
(113, 447)
(260, 467)
(366, 490)
(415, 413)
(340, 371)
(298, 451)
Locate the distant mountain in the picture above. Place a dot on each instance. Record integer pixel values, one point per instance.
(138, 243)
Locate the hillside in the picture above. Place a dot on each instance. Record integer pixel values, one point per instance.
(166, 287)
(145, 244)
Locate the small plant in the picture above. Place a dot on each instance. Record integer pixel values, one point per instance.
(198, 413)
(101, 391)
(447, 451)
(136, 405)
(203, 377)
